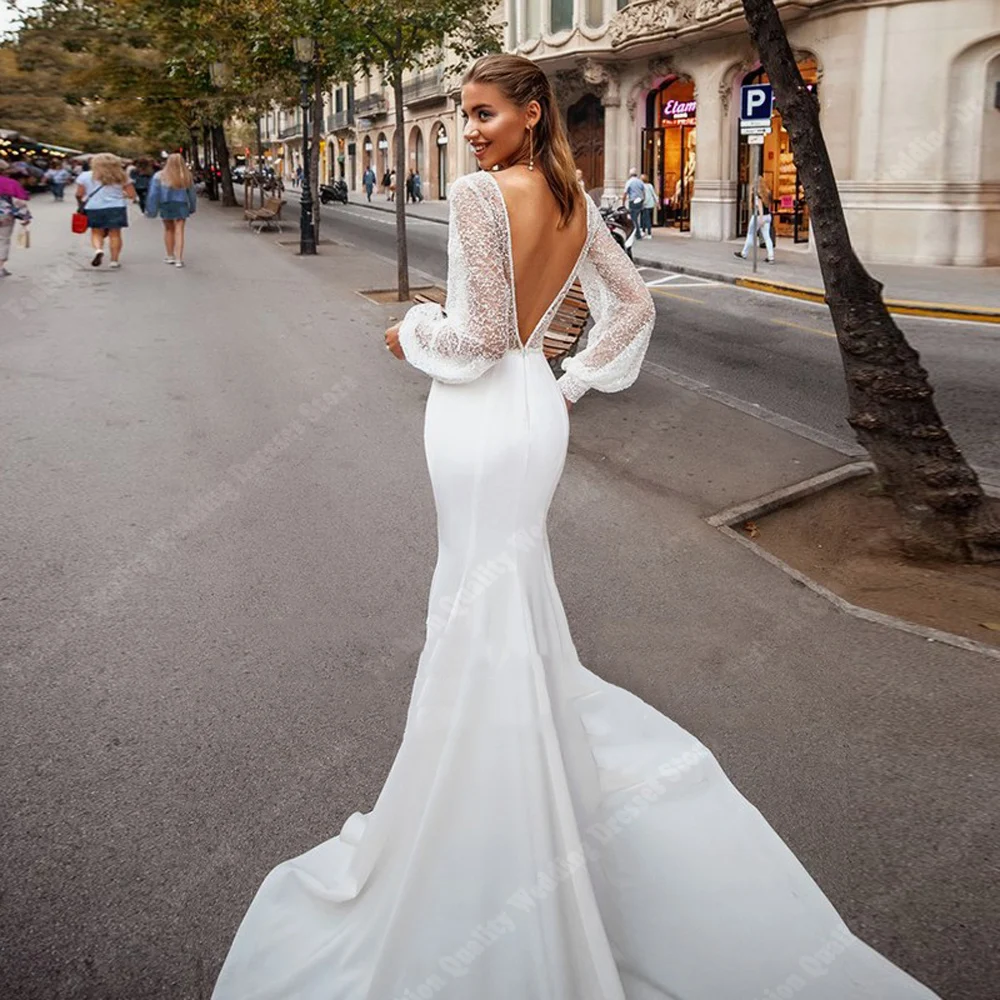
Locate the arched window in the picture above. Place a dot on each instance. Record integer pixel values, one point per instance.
(595, 13)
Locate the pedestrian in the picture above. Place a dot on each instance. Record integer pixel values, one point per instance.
(298, 175)
(172, 197)
(409, 187)
(634, 197)
(392, 185)
(647, 206)
(368, 180)
(418, 187)
(13, 209)
(142, 177)
(386, 181)
(103, 193)
(760, 220)
(580, 179)
(9, 186)
(58, 177)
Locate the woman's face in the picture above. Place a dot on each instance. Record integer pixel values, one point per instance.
(494, 127)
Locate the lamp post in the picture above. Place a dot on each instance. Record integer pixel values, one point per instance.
(305, 50)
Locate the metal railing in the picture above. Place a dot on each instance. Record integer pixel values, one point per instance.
(339, 119)
(426, 86)
(370, 105)
(289, 131)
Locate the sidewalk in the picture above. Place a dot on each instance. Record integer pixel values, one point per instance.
(971, 293)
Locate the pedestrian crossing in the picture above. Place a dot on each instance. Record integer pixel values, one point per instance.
(654, 278)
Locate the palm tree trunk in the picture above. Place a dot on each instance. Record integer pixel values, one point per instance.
(943, 509)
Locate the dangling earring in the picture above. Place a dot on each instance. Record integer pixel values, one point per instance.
(531, 148)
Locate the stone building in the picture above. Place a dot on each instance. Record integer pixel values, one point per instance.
(909, 94)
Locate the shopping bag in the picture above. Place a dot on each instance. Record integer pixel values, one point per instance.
(24, 238)
(79, 222)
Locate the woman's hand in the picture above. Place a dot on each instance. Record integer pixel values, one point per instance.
(392, 342)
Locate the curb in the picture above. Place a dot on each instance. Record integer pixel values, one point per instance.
(779, 498)
(901, 307)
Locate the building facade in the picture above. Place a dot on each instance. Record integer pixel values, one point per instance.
(909, 94)
(909, 97)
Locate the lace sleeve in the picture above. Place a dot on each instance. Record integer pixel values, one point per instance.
(466, 338)
(623, 314)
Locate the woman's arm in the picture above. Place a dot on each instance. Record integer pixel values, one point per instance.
(474, 332)
(623, 313)
(153, 197)
(129, 191)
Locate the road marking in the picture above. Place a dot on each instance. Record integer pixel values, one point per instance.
(674, 295)
(800, 326)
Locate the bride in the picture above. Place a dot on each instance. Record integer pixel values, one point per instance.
(542, 834)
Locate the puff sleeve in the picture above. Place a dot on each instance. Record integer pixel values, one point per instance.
(473, 331)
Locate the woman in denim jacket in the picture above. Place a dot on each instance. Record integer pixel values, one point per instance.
(172, 197)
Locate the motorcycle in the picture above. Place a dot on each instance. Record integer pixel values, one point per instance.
(337, 191)
(622, 228)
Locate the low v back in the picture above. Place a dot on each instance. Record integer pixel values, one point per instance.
(543, 270)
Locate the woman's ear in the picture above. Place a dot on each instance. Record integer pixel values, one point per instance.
(533, 114)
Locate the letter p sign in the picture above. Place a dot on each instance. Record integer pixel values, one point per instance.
(755, 102)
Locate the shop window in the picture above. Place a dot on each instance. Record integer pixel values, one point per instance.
(789, 210)
(561, 15)
(669, 151)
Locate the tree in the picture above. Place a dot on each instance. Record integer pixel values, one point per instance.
(411, 35)
(944, 511)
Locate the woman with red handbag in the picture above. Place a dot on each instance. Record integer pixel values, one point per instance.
(103, 193)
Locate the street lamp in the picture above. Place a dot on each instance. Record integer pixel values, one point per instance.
(305, 51)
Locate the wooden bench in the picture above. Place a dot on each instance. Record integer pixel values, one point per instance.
(565, 329)
(266, 217)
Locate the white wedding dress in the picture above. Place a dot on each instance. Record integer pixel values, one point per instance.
(542, 834)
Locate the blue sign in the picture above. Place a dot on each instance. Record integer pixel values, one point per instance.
(755, 102)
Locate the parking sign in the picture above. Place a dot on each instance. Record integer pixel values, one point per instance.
(755, 102)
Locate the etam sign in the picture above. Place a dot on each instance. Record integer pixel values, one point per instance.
(679, 110)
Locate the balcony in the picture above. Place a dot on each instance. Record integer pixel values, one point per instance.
(289, 131)
(339, 120)
(371, 106)
(425, 88)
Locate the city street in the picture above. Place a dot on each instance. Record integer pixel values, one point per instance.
(758, 349)
(219, 539)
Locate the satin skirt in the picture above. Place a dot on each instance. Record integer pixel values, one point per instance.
(542, 834)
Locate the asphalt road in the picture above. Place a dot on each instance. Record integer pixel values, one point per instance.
(218, 536)
(762, 350)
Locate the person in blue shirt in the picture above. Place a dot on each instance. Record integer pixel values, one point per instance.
(634, 197)
(172, 197)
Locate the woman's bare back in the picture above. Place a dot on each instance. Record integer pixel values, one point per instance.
(544, 255)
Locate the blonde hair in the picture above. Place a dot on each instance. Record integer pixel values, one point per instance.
(521, 81)
(175, 172)
(107, 169)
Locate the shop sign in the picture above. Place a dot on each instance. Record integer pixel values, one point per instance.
(678, 111)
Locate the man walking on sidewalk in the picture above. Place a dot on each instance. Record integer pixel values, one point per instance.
(634, 197)
(369, 181)
(760, 220)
